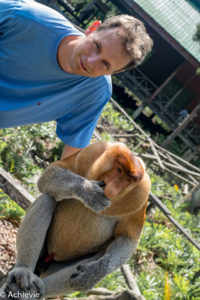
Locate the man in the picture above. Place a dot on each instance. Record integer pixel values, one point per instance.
(51, 71)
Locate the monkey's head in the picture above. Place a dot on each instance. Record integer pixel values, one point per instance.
(119, 168)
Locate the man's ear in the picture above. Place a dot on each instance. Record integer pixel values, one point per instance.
(93, 27)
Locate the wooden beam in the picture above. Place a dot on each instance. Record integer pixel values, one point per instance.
(159, 204)
(14, 190)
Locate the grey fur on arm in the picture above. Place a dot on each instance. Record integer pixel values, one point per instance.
(61, 183)
(88, 275)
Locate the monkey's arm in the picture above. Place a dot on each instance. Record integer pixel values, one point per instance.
(87, 276)
(61, 183)
(30, 241)
(127, 234)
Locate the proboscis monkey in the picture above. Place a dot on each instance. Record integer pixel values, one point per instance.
(88, 221)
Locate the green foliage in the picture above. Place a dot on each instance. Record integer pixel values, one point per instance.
(148, 111)
(107, 137)
(162, 123)
(17, 147)
(114, 281)
(116, 118)
(151, 285)
(9, 209)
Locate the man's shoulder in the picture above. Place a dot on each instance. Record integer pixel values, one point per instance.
(32, 11)
(108, 81)
(104, 84)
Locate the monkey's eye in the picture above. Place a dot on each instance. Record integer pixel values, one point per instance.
(119, 170)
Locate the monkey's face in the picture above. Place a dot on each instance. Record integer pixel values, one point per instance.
(116, 180)
(118, 168)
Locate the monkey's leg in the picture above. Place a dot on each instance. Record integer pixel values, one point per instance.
(57, 277)
(30, 241)
(61, 183)
(89, 274)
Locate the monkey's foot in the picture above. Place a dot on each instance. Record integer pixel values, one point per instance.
(88, 275)
(26, 283)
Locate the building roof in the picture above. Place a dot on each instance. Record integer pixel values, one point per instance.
(178, 17)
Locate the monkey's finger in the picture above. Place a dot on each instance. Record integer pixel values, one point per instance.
(10, 279)
(37, 288)
(19, 277)
(25, 281)
(106, 202)
(103, 205)
(81, 268)
(75, 281)
(74, 275)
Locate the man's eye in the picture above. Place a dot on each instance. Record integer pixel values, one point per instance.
(98, 47)
(106, 64)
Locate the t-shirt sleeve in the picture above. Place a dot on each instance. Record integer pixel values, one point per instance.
(6, 15)
(76, 128)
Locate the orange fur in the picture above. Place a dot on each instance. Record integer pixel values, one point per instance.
(76, 230)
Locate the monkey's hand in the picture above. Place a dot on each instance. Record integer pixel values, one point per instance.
(25, 280)
(92, 195)
(88, 275)
(61, 184)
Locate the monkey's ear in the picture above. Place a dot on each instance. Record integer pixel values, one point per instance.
(132, 164)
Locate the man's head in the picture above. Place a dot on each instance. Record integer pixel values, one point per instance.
(118, 44)
(133, 36)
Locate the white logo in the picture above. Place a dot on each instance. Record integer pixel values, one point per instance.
(2, 294)
(17, 295)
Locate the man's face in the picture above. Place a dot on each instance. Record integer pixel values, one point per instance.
(99, 53)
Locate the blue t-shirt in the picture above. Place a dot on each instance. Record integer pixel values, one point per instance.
(33, 87)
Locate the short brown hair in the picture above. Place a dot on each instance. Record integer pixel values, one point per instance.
(134, 36)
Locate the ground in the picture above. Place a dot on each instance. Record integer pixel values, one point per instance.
(8, 232)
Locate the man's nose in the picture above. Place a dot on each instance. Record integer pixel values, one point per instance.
(93, 60)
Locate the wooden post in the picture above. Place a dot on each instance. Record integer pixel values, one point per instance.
(139, 110)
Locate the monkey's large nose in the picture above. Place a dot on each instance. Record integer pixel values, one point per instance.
(102, 184)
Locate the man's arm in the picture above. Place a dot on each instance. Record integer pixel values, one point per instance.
(68, 151)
